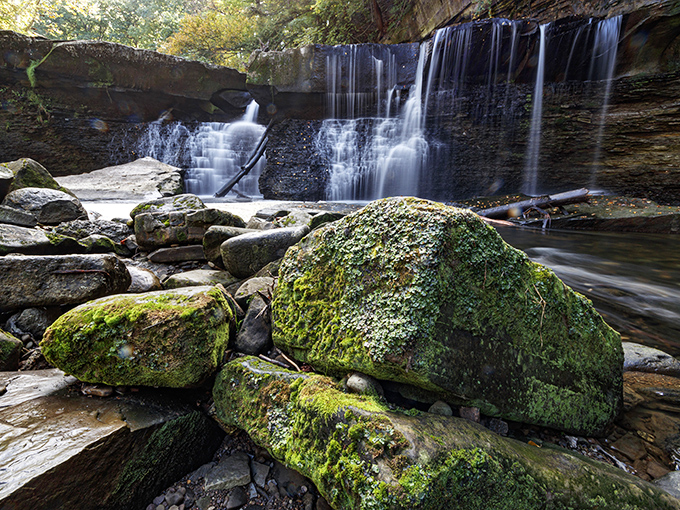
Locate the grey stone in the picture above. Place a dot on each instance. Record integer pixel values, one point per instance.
(322, 504)
(255, 334)
(296, 218)
(30, 281)
(54, 441)
(10, 352)
(178, 203)
(29, 173)
(174, 498)
(199, 277)
(441, 408)
(215, 236)
(97, 243)
(137, 180)
(252, 287)
(288, 480)
(640, 358)
(237, 498)
(500, 427)
(256, 223)
(364, 384)
(13, 216)
(34, 241)
(325, 217)
(49, 206)
(245, 255)
(32, 321)
(232, 471)
(79, 229)
(159, 229)
(260, 472)
(252, 491)
(177, 254)
(142, 280)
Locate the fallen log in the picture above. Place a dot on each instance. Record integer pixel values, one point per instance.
(252, 161)
(516, 208)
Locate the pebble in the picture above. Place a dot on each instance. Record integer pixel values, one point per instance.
(441, 408)
(470, 413)
(174, 498)
(498, 426)
(364, 384)
(97, 390)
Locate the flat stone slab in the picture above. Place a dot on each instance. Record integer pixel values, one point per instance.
(61, 449)
(29, 281)
(231, 472)
(143, 179)
(199, 277)
(641, 358)
(177, 254)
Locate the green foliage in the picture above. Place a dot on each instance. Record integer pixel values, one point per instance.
(218, 31)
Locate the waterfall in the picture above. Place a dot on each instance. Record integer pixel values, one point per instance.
(371, 157)
(213, 151)
(533, 150)
(602, 67)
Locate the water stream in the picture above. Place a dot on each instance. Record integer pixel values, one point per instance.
(533, 150)
(632, 279)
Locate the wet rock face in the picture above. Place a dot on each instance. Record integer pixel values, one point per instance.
(413, 291)
(98, 453)
(173, 338)
(49, 206)
(360, 454)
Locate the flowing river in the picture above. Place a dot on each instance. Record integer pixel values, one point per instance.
(632, 279)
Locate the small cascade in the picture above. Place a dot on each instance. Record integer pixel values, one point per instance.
(377, 156)
(533, 149)
(602, 67)
(218, 151)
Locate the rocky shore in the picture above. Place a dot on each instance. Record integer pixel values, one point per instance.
(399, 355)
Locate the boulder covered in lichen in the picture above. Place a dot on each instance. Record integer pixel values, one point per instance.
(417, 292)
(362, 455)
(174, 338)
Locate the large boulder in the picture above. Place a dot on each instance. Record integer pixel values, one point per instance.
(35, 241)
(61, 449)
(245, 255)
(361, 454)
(28, 173)
(215, 236)
(138, 180)
(49, 206)
(178, 203)
(29, 281)
(174, 338)
(418, 292)
(159, 229)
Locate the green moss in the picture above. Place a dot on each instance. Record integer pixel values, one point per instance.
(377, 459)
(172, 449)
(169, 339)
(411, 290)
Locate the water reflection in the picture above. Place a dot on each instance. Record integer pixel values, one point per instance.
(632, 279)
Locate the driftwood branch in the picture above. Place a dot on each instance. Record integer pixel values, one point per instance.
(252, 161)
(568, 197)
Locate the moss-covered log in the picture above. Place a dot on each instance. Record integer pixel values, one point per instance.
(363, 456)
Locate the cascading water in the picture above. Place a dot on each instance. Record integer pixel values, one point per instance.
(381, 156)
(533, 150)
(602, 67)
(219, 150)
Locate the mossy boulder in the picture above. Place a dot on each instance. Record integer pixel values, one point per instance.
(173, 338)
(361, 455)
(159, 229)
(185, 202)
(28, 173)
(10, 351)
(417, 292)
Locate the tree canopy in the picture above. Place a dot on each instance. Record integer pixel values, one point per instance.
(218, 31)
